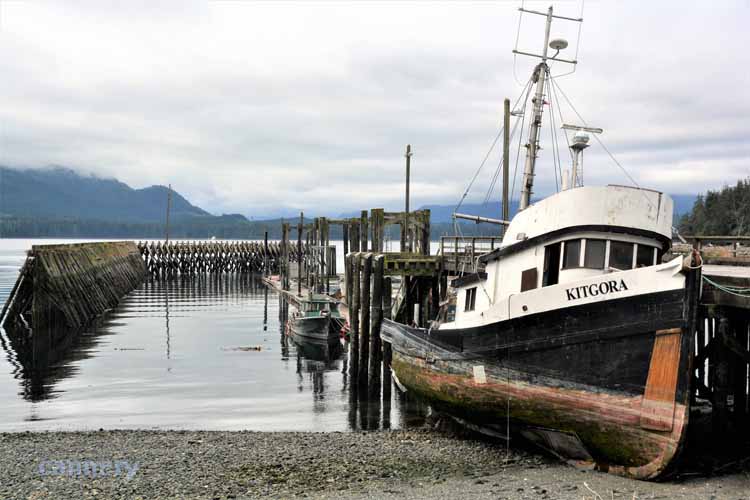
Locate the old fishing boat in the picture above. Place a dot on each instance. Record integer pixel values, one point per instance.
(573, 333)
(317, 322)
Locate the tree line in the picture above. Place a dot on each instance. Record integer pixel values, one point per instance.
(192, 228)
(725, 212)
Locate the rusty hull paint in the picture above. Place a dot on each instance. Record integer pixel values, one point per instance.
(608, 424)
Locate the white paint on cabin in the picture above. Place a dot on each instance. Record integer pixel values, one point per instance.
(594, 205)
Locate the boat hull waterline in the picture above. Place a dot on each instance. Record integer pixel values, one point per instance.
(603, 385)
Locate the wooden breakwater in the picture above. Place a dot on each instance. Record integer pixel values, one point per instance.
(70, 285)
(199, 257)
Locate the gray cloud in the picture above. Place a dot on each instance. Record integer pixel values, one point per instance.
(259, 108)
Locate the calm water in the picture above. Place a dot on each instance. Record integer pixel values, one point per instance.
(175, 355)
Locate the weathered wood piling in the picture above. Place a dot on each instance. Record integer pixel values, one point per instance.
(70, 285)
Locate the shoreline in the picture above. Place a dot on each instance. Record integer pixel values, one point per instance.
(378, 464)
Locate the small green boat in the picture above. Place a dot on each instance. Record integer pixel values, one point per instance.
(317, 322)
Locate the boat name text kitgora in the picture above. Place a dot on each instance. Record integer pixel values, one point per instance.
(595, 289)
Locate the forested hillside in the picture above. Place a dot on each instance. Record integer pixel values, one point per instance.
(62, 193)
(723, 212)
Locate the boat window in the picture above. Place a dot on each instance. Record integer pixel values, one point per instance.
(572, 254)
(594, 255)
(528, 279)
(644, 256)
(551, 273)
(471, 299)
(621, 255)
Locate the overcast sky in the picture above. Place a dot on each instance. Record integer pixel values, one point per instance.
(259, 108)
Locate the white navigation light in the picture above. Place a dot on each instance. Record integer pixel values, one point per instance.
(558, 44)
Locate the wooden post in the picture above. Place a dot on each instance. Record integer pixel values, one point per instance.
(739, 365)
(169, 202)
(299, 253)
(345, 237)
(364, 324)
(354, 314)
(377, 315)
(307, 261)
(266, 260)
(378, 228)
(506, 160)
(720, 374)
(326, 254)
(405, 230)
(426, 231)
(348, 277)
(387, 353)
(435, 299)
(354, 235)
(363, 231)
(409, 300)
(424, 301)
(285, 253)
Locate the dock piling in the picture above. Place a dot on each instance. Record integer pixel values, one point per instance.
(364, 324)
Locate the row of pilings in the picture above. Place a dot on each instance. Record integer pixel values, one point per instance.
(198, 257)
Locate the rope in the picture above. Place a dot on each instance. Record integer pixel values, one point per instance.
(739, 291)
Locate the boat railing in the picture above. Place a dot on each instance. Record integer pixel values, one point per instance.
(461, 252)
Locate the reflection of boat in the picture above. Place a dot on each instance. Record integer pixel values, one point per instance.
(315, 351)
(317, 322)
(574, 333)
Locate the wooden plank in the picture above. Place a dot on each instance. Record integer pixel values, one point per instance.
(657, 407)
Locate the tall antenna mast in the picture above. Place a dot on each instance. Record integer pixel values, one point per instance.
(539, 77)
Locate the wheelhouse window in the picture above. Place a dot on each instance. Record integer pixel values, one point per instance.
(471, 299)
(644, 256)
(551, 274)
(595, 254)
(571, 254)
(621, 255)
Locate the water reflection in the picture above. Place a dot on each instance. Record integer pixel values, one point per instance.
(205, 352)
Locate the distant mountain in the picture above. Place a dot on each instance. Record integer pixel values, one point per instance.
(61, 193)
(683, 203)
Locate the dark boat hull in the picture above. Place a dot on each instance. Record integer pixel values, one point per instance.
(604, 384)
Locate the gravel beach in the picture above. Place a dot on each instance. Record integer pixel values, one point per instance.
(383, 464)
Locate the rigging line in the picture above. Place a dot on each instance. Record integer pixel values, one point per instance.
(500, 165)
(554, 152)
(518, 36)
(555, 149)
(578, 38)
(518, 153)
(497, 137)
(520, 135)
(596, 136)
(520, 138)
(562, 120)
(553, 97)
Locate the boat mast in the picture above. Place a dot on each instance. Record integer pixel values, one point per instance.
(540, 76)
